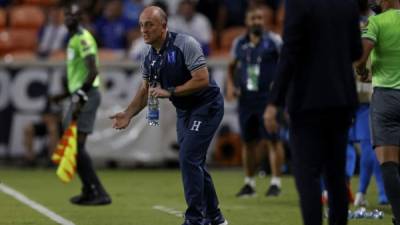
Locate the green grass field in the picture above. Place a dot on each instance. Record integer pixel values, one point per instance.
(136, 192)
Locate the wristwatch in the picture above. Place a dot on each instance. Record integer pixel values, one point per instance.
(171, 90)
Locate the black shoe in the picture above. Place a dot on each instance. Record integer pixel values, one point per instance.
(246, 191)
(220, 220)
(273, 190)
(91, 196)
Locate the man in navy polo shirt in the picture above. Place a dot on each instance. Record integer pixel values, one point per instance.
(251, 71)
(177, 64)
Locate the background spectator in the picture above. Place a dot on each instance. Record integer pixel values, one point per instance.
(113, 30)
(132, 10)
(53, 34)
(190, 22)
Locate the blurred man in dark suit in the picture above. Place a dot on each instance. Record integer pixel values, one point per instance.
(315, 77)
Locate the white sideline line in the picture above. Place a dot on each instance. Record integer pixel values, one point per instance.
(34, 205)
(170, 211)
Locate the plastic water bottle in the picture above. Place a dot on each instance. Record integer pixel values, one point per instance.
(153, 113)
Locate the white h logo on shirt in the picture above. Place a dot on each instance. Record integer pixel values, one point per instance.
(196, 125)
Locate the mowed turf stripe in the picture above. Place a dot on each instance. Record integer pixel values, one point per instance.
(170, 211)
(34, 205)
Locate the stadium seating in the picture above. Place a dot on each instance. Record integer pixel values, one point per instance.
(228, 150)
(26, 16)
(3, 19)
(20, 55)
(227, 37)
(58, 55)
(15, 39)
(110, 55)
(40, 2)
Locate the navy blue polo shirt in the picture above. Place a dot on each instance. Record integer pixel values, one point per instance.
(172, 66)
(265, 54)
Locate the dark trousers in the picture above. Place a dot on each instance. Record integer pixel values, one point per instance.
(86, 120)
(318, 141)
(85, 169)
(195, 131)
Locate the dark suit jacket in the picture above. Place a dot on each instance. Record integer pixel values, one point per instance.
(321, 40)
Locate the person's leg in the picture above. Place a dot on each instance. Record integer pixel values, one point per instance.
(195, 139)
(93, 192)
(191, 157)
(29, 133)
(84, 164)
(276, 155)
(382, 198)
(249, 158)
(335, 174)
(366, 168)
(351, 158)
(370, 164)
(388, 156)
(200, 193)
(250, 137)
(213, 212)
(350, 161)
(366, 165)
(307, 145)
(32, 131)
(52, 124)
(385, 130)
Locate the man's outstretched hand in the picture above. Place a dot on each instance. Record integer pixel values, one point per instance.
(120, 120)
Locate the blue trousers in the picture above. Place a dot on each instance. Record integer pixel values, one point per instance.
(369, 164)
(196, 129)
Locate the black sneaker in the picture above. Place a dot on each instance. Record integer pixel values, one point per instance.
(218, 220)
(246, 191)
(273, 190)
(91, 197)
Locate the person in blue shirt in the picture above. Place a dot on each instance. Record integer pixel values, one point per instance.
(113, 30)
(132, 9)
(251, 71)
(176, 62)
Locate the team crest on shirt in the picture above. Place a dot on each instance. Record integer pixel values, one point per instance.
(84, 43)
(171, 57)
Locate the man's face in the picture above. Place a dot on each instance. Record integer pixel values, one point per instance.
(186, 10)
(113, 10)
(71, 15)
(255, 20)
(151, 27)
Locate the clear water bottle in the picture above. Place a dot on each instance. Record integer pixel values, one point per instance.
(153, 113)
